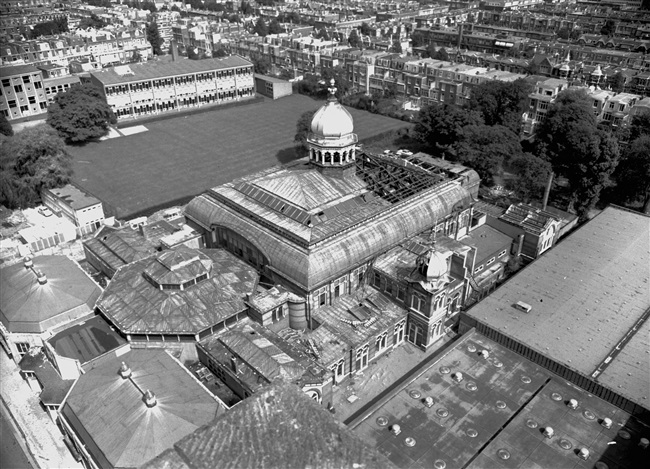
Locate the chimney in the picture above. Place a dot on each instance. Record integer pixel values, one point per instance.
(125, 371)
(174, 48)
(233, 363)
(150, 398)
(40, 276)
(28, 262)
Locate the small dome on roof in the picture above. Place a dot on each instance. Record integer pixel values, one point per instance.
(332, 120)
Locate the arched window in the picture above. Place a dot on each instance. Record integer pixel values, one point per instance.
(337, 158)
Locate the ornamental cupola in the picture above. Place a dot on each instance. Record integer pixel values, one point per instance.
(332, 141)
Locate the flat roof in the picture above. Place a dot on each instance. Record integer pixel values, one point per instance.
(86, 341)
(487, 241)
(160, 69)
(74, 197)
(587, 294)
(495, 416)
(6, 72)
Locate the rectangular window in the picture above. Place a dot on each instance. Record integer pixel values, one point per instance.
(398, 334)
(6, 83)
(478, 269)
(38, 85)
(490, 261)
(418, 302)
(22, 347)
(401, 293)
(11, 103)
(376, 279)
(339, 370)
(26, 79)
(503, 253)
(18, 88)
(32, 100)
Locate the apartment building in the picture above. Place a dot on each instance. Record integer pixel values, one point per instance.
(138, 90)
(539, 101)
(22, 92)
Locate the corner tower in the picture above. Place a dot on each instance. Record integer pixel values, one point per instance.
(332, 140)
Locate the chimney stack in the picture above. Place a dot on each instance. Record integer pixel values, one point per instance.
(125, 371)
(174, 48)
(150, 398)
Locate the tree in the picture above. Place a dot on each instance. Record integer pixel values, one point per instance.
(396, 47)
(48, 28)
(151, 6)
(441, 54)
(576, 148)
(531, 176)
(431, 50)
(608, 28)
(30, 161)
(501, 103)
(260, 27)
(234, 18)
(440, 126)
(5, 126)
(354, 40)
(365, 29)
(93, 21)
(633, 173)
(80, 114)
(274, 27)
(246, 9)
(261, 64)
(484, 148)
(153, 36)
(303, 127)
(192, 54)
(639, 125)
(618, 84)
(217, 54)
(322, 34)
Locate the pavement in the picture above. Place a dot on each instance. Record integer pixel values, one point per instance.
(43, 439)
(382, 372)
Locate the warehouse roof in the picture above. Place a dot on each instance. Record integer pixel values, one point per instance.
(589, 296)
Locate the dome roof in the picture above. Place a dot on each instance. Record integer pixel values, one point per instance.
(332, 120)
(437, 266)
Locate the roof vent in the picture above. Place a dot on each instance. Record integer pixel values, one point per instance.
(607, 422)
(644, 443)
(583, 454)
(525, 307)
(40, 276)
(549, 432)
(28, 262)
(125, 371)
(428, 401)
(150, 398)
(484, 354)
(396, 429)
(458, 376)
(572, 404)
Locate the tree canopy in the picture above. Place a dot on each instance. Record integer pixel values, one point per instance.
(30, 161)
(154, 38)
(303, 127)
(502, 103)
(439, 127)
(5, 126)
(353, 39)
(80, 114)
(633, 173)
(576, 148)
(531, 176)
(261, 29)
(48, 28)
(93, 21)
(274, 27)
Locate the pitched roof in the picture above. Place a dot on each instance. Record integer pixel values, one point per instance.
(31, 307)
(531, 219)
(278, 427)
(587, 294)
(117, 427)
(137, 306)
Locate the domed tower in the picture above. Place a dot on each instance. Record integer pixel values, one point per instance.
(332, 140)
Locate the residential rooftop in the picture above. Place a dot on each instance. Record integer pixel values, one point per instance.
(74, 197)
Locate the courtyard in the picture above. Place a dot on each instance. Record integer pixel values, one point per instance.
(177, 158)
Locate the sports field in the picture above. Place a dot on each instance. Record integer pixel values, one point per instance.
(178, 158)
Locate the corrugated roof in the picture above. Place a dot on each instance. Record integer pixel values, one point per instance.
(531, 219)
(136, 306)
(159, 69)
(586, 295)
(27, 306)
(109, 410)
(279, 427)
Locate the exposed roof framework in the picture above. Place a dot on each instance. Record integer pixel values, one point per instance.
(394, 180)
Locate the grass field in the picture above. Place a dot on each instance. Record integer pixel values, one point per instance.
(179, 158)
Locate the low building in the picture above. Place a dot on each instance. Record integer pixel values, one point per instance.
(137, 90)
(277, 427)
(40, 297)
(581, 310)
(272, 87)
(178, 296)
(127, 410)
(85, 211)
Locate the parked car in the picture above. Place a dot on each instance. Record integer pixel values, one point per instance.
(45, 211)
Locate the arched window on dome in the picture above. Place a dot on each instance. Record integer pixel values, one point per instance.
(328, 157)
(337, 158)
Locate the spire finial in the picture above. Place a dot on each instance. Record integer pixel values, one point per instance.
(332, 90)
